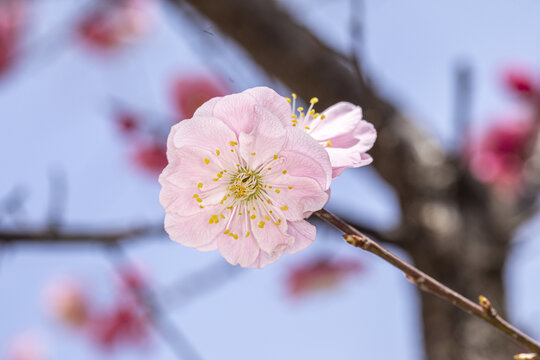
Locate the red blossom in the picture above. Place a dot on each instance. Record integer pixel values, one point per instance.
(151, 158)
(190, 92)
(127, 122)
(520, 81)
(11, 22)
(124, 324)
(320, 274)
(113, 23)
(498, 157)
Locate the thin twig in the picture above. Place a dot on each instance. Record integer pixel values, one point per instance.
(47, 236)
(170, 332)
(426, 283)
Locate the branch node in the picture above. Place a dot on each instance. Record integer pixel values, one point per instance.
(357, 241)
(486, 306)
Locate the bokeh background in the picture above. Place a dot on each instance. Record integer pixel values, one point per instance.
(88, 92)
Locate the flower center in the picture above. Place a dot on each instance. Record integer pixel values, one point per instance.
(245, 185)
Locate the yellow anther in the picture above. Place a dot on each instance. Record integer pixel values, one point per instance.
(307, 127)
(268, 201)
(323, 117)
(215, 179)
(253, 216)
(253, 153)
(284, 208)
(233, 143)
(199, 200)
(300, 109)
(293, 124)
(294, 116)
(195, 196)
(222, 216)
(277, 191)
(269, 169)
(328, 143)
(219, 174)
(235, 236)
(284, 172)
(261, 224)
(278, 222)
(267, 217)
(289, 187)
(202, 207)
(293, 95)
(269, 186)
(313, 100)
(226, 231)
(316, 115)
(275, 157)
(206, 161)
(213, 219)
(312, 112)
(199, 185)
(247, 234)
(232, 150)
(218, 152)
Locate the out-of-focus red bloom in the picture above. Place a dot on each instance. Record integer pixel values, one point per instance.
(190, 92)
(125, 324)
(67, 302)
(520, 81)
(11, 23)
(132, 279)
(498, 157)
(26, 346)
(152, 158)
(127, 122)
(321, 274)
(114, 23)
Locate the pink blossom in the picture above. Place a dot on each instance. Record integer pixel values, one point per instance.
(340, 129)
(240, 181)
(26, 346)
(498, 157)
(320, 274)
(520, 80)
(114, 23)
(67, 302)
(11, 22)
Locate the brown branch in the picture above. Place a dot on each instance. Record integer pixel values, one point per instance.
(56, 236)
(426, 283)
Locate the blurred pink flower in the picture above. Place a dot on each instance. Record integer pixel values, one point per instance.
(340, 129)
(151, 158)
(240, 181)
(67, 302)
(26, 346)
(321, 274)
(12, 15)
(190, 92)
(114, 23)
(498, 157)
(127, 122)
(520, 81)
(124, 324)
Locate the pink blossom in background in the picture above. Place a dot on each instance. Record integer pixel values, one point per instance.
(127, 122)
(240, 181)
(190, 92)
(320, 274)
(151, 158)
(122, 325)
(111, 24)
(26, 346)
(67, 302)
(520, 81)
(498, 157)
(12, 16)
(340, 129)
